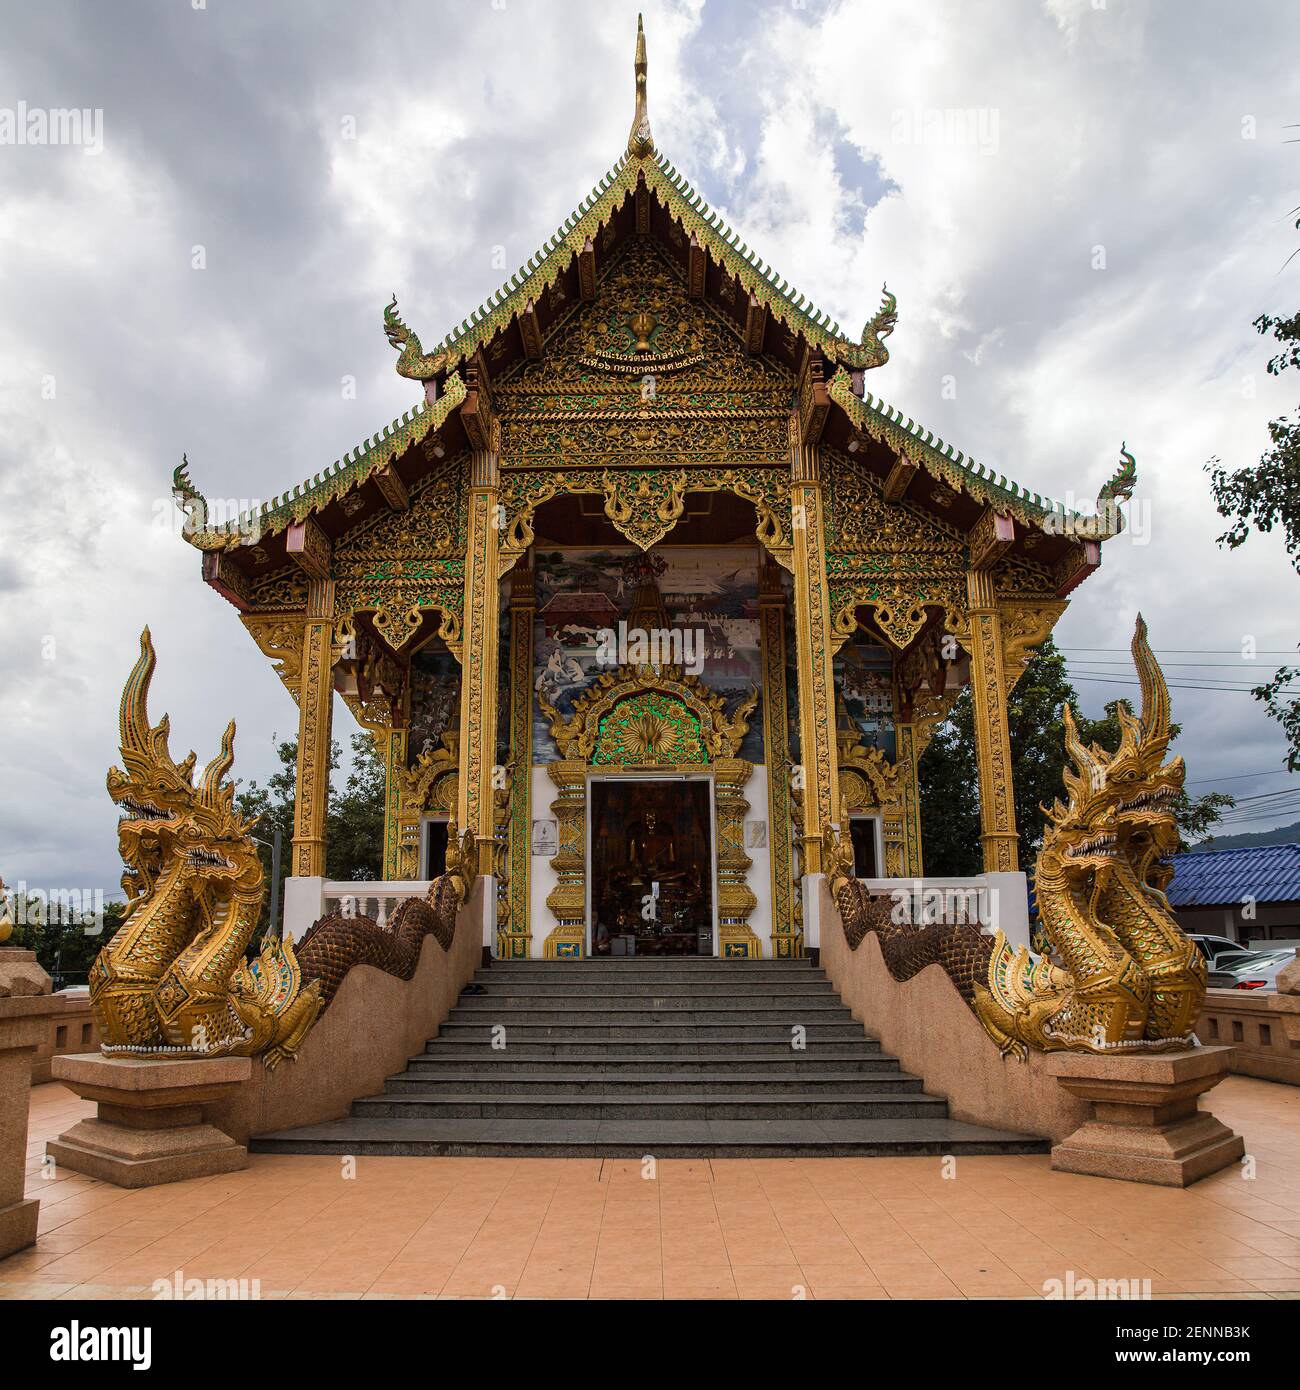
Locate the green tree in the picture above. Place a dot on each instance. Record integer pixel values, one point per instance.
(1264, 497)
(950, 819)
(354, 824)
(65, 948)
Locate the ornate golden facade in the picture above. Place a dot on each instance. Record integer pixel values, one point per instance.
(646, 384)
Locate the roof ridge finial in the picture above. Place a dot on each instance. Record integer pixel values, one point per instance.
(640, 143)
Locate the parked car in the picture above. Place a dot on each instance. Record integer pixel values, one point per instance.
(1212, 946)
(1257, 971)
(1226, 959)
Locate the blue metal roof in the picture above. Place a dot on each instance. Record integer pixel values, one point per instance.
(1219, 878)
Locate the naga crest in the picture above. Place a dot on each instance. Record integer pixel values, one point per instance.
(1121, 796)
(1117, 973)
(412, 361)
(177, 979)
(881, 326)
(1119, 486)
(163, 810)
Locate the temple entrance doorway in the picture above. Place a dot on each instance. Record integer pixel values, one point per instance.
(652, 855)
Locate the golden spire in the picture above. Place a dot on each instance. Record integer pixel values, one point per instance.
(640, 143)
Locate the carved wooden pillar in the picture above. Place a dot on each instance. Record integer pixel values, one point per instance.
(992, 735)
(812, 627)
(568, 899)
(394, 751)
(905, 758)
(480, 659)
(786, 941)
(315, 720)
(514, 937)
(736, 939)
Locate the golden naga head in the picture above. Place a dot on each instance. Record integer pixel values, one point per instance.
(1147, 788)
(164, 812)
(1130, 795)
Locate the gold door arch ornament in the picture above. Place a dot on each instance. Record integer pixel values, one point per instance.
(645, 504)
(870, 783)
(898, 615)
(429, 787)
(397, 625)
(648, 719)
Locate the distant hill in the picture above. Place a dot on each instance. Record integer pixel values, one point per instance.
(1282, 835)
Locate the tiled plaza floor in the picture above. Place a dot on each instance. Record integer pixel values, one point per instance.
(592, 1228)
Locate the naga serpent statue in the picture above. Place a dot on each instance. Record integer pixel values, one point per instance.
(174, 980)
(1121, 975)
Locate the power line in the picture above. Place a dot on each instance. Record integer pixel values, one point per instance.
(1240, 776)
(1118, 672)
(1182, 685)
(1195, 665)
(1186, 651)
(1269, 796)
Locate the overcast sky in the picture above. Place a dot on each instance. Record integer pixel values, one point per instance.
(1081, 207)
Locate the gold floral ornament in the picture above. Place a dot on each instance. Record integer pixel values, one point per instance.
(649, 729)
(701, 717)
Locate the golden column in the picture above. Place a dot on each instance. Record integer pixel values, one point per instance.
(776, 751)
(906, 757)
(812, 630)
(394, 753)
(480, 659)
(515, 942)
(992, 734)
(315, 722)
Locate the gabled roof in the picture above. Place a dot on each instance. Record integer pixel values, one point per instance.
(874, 417)
(684, 205)
(642, 176)
(1222, 878)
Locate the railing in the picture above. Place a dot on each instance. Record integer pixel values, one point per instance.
(988, 902)
(374, 898)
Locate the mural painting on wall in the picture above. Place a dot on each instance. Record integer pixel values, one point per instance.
(710, 596)
(863, 679)
(435, 699)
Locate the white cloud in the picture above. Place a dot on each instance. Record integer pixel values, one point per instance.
(812, 129)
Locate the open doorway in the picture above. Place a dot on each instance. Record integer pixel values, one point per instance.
(433, 850)
(651, 867)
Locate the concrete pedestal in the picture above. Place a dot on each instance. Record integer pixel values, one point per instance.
(150, 1127)
(25, 1005)
(1146, 1126)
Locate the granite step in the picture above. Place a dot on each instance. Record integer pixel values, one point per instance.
(605, 1059)
(613, 989)
(761, 1013)
(688, 1057)
(706, 1106)
(906, 1136)
(780, 1030)
(597, 1080)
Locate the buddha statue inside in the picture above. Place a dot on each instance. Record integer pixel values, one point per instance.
(652, 871)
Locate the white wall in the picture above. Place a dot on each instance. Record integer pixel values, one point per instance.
(759, 875)
(543, 877)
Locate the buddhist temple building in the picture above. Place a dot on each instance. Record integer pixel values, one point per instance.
(650, 592)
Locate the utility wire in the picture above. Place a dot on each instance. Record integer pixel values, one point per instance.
(1238, 776)
(1186, 651)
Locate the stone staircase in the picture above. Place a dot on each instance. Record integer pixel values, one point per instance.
(684, 1057)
